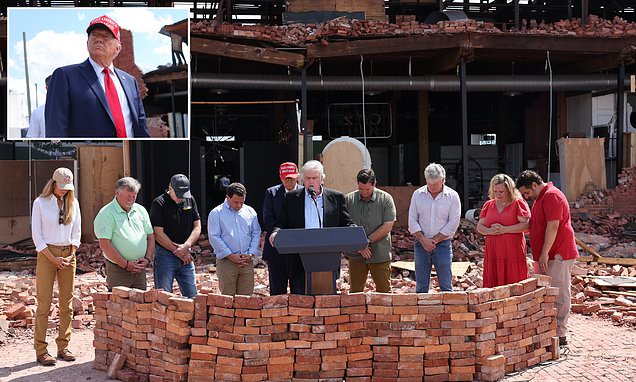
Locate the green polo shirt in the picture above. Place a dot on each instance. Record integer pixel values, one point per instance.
(128, 231)
(371, 214)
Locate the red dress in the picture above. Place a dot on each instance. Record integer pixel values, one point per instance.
(505, 255)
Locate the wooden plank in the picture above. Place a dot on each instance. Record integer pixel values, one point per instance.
(552, 43)
(388, 45)
(458, 268)
(99, 169)
(175, 76)
(629, 149)
(246, 52)
(444, 62)
(593, 65)
(587, 248)
(614, 281)
(608, 260)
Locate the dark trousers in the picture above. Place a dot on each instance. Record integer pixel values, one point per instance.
(279, 278)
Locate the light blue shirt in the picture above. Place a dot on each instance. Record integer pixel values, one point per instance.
(233, 231)
(311, 216)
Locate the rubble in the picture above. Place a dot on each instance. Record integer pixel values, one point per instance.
(344, 28)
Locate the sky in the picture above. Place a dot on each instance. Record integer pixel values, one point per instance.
(57, 37)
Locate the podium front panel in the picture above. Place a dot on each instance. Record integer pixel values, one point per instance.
(321, 240)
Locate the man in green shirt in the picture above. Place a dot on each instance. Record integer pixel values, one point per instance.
(125, 236)
(374, 210)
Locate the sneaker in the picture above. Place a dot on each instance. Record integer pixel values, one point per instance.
(563, 341)
(46, 360)
(66, 355)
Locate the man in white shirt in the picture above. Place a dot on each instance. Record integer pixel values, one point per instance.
(36, 123)
(434, 216)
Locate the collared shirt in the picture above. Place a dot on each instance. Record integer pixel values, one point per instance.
(552, 205)
(46, 227)
(314, 218)
(127, 231)
(125, 109)
(36, 123)
(433, 216)
(371, 214)
(231, 231)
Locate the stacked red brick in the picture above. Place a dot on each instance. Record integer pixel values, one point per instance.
(150, 329)
(449, 336)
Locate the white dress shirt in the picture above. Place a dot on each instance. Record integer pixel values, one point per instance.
(125, 109)
(36, 123)
(433, 216)
(46, 227)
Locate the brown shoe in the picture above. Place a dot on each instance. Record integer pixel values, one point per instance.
(46, 359)
(66, 355)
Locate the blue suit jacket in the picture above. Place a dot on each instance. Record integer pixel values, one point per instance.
(76, 105)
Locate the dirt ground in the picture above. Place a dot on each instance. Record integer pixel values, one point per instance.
(598, 351)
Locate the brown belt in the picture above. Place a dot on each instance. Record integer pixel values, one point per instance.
(60, 247)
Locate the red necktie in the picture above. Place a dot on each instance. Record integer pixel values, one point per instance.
(113, 102)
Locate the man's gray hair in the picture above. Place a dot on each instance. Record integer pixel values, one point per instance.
(313, 165)
(130, 183)
(434, 171)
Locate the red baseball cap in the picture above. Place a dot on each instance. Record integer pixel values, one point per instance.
(288, 170)
(107, 22)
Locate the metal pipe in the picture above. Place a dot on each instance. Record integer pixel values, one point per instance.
(182, 93)
(308, 148)
(435, 83)
(464, 97)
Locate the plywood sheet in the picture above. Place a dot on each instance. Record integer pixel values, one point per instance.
(99, 169)
(15, 228)
(402, 199)
(582, 163)
(629, 150)
(16, 179)
(343, 158)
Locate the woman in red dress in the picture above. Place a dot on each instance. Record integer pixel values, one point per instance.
(503, 220)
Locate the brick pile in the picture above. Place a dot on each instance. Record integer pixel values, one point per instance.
(459, 336)
(589, 298)
(343, 28)
(150, 329)
(618, 200)
(18, 303)
(595, 26)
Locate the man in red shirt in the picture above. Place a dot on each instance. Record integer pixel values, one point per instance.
(551, 239)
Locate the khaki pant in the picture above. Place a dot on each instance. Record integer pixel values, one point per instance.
(118, 276)
(234, 280)
(380, 273)
(561, 272)
(45, 274)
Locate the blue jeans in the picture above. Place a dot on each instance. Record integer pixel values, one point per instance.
(169, 267)
(442, 257)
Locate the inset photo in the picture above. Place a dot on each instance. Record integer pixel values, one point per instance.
(97, 73)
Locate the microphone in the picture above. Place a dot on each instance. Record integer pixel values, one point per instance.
(312, 192)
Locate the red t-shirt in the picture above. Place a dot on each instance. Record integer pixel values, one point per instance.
(552, 205)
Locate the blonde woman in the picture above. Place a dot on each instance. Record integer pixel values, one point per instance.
(503, 220)
(56, 229)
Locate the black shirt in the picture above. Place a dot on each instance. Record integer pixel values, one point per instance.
(177, 221)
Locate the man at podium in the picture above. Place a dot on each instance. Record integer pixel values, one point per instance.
(312, 206)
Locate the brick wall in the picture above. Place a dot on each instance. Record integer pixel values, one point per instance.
(620, 199)
(457, 336)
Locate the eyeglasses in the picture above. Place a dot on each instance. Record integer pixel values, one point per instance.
(61, 221)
